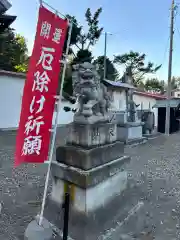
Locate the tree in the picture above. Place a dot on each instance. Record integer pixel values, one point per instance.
(111, 71)
(82, 41)
(136, 61)
(83, 55)
(76, 30)
(23, 67)
(175, 83)
(67, 88)
(13, 51)
(86, 40)
(154, 85)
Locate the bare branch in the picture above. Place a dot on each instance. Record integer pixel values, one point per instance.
(77, 46)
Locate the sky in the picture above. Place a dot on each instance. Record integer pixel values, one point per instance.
(138, 25)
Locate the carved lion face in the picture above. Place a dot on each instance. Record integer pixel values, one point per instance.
(85, 74)
(85, 78)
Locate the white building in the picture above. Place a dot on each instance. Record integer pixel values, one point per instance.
(145, 100)
(175, 93)
(11, 92)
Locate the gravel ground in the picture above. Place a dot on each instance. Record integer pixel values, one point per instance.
(154, 168)
(21, 189)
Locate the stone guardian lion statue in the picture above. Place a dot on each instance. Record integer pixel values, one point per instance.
(91, 93)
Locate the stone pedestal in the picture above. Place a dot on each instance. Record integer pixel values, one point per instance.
(89, 135)
(91, 189)
(92, 165)
(129, 132)
(149, 130)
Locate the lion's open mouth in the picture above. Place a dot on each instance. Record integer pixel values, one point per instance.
(87, 76)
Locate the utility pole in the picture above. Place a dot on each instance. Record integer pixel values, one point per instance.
(167, 123)
(105, 53)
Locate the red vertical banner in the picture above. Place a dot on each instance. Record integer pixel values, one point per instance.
(33, 138)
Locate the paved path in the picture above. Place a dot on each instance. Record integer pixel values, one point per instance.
(154, 166)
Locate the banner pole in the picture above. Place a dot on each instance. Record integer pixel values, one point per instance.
(55, 127)
(40, 3)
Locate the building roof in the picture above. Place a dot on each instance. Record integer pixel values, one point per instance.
(4, 6)
(151, 95)
(12, 74)
(118, 84)
(174, 90)
(6, 21)
(174, 103)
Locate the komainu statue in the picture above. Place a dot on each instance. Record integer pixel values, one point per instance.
(149, 119)
(91, 93)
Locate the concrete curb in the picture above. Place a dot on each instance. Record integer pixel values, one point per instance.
(36, 232)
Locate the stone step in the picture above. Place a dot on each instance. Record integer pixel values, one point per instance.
(136, 141)
(86, 159)
(88, 178)
(152, 136)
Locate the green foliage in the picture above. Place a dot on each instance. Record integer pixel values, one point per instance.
(21, 67)
(81, 41)
(83, 55)
(76, 30)
(13, 51)
(136, 61)
(67, 88)
(84, 40)
(111, 72)
(160, 86)
(175, 83)
(154, 85)
(94, 31)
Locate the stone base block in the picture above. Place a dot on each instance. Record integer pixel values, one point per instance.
(80, 119)
(134, 142)
(88, 135)
(152, 136)
(129, 132)
(88, 178)
(89, 158)
(88, 200)
(104, 223)
(121, 117)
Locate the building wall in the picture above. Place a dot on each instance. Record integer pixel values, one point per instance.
(10, 101)
(64, 117)
(11, 91)
(146, 102)
(119, 102)
(176, 94)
